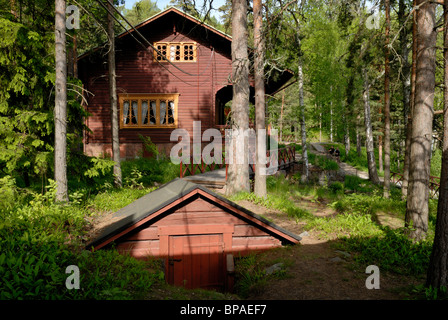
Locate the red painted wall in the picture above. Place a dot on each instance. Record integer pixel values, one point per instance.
(138, 73)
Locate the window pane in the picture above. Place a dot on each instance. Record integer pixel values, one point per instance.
(162, 112)
(134, 117)
(188, 52)
(144, 112)
(152, 112)
(125, 112)
(171, 112)
(178, 53)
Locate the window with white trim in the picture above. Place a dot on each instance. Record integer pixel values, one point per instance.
(175, 51)
(148, 110)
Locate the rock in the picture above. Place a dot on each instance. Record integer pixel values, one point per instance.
(304, 234)
(336, 259)
(345, 254)
(274, 268)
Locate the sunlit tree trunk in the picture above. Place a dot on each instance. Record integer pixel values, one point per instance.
(60, 110)
(238, 172)
(373, 173)
(113, 98)
(305, 171)
(423, 113)
(260, 167)
(407, 149)
(387, 105)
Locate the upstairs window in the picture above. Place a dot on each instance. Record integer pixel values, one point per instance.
(148, 111)
(175, 51)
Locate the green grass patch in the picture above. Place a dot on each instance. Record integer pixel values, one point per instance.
(323, 162)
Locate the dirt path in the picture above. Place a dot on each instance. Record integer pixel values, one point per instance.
(318, 271)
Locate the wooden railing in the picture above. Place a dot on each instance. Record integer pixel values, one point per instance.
(202, 167)
(434, 183)
(285, 157)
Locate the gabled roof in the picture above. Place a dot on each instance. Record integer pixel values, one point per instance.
(157, 16)
(182, 14)
(155, 203)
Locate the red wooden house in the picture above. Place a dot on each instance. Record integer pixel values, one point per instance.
(156, 96)
(194, 230)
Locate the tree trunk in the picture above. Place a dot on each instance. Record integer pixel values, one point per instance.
(281, 116)
(380, 147)
(438, 266)
(407, 149)
(387, 106)
(60, 110)
(113, 99)
(358, 137)
(347, 136)
(419, 165)
(331, 114)
(238, 172)
(260, 166)
(373, 174)
(305, 170)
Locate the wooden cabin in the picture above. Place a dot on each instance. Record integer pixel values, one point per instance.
(194, 230)
(187, 79)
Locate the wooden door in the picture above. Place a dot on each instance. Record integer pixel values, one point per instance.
(196, 261)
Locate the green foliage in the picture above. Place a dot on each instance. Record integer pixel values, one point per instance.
(146, 171)
(336, 187)
(99, 167)
(251, 277)
(25, 119)
(391, 250)
(279, 197)
(436, 163)
(323, 162)
(27, 100)
(430, 293)
(140, 11)
(40, 239)
(114, 199)
(8, 192)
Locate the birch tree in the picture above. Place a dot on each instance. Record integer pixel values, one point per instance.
(373, 173)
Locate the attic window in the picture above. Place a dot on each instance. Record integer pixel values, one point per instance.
(148, 110)
(175, 51)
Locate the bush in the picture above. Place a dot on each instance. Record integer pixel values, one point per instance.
(146, 171)
(336, 187)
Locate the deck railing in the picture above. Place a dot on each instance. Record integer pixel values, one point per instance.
(434, 183)
(285, 157)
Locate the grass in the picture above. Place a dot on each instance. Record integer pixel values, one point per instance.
(355, 226)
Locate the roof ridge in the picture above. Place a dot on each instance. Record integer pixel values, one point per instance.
(173, 8)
